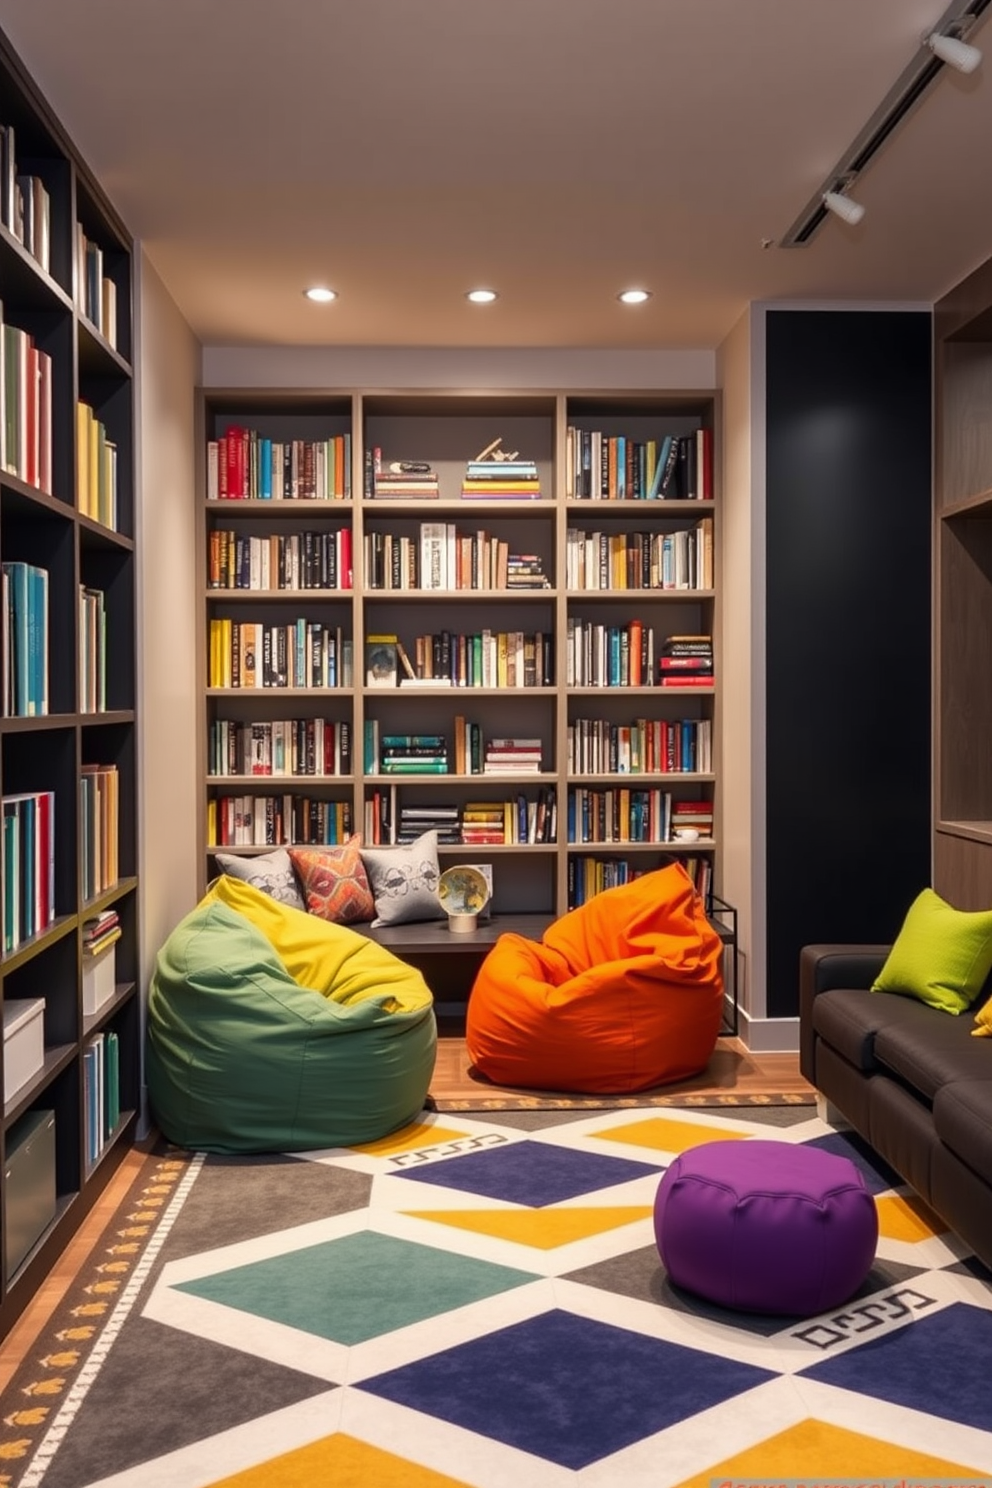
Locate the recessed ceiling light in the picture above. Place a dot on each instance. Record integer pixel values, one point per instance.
(320, 294)
(634, 296)
(482, 296)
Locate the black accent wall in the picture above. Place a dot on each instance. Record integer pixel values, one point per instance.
(848, 513)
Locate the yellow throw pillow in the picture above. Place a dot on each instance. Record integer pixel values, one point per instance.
(983, 1021)
(941, 955)
(330, 959)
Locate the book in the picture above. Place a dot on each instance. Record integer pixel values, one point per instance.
(405, 662)
(381, 661)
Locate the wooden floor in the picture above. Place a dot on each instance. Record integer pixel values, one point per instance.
(733, 1069)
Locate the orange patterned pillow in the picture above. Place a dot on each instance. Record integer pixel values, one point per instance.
(335, 884)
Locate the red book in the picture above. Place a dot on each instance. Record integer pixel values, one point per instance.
(345, 579)
(687, 679)
(635, 652)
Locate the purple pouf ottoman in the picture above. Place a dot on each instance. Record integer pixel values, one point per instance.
(766, 1226)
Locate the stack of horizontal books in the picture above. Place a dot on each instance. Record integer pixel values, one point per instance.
(686, 661)
(513, 756)
(414, 821)
(413, 754)
(100, 932)
(526, 571)
(416, 479)
(501, 480)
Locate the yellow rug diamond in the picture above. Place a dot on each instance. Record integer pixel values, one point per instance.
(905, 1217)
(542, 1229)
(815, 1450)
(420, 1134)
(340, 1460)
(666, 1135)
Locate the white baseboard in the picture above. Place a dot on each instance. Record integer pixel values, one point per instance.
(768, 1035)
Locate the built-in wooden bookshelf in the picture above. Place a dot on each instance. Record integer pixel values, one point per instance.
(963, 593)
(558, 615)
(67, 730)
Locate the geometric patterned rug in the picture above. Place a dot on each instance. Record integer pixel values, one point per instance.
(478, 1302)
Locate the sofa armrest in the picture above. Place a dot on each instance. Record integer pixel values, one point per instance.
(822, 967)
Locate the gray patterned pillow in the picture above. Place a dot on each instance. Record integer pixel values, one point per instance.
(273, 874)
(404, 881)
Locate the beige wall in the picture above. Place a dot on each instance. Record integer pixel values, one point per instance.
(167, 366)
(740, 587)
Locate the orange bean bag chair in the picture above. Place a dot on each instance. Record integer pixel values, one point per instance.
(621, 994)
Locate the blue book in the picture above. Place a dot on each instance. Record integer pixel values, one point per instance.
(621, 490)
(265, 469)
(11, 876)
(29, 865)
(613, 667)
(18, 602)
(37, 590)
(371, 746)
(664, 450)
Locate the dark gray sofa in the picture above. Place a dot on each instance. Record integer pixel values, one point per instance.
(910, 1079)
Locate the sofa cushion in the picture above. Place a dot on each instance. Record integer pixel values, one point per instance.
(983, 1015)
(928, 1051)
(272, 873)
(404, 881)
(962, 1113)
(849, 1020)
(334, 882)
(941, 955)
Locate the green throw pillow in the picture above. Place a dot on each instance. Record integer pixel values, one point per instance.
(941, 955)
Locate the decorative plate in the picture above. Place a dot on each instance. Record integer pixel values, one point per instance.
(462, 890)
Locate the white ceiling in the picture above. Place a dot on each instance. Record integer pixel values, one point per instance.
(404, 151)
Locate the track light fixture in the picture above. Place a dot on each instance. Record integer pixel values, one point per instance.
(843, 207)
(943, 45)
(955, 52)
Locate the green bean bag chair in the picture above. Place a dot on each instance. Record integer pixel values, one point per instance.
(271, 1030)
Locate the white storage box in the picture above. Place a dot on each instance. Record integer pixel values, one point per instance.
(99, 980)
(23, 1042)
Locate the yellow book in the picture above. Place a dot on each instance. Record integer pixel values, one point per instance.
(84, 415)
(249, 654)
(501, 654)
(108, 514)
(97, 433)
(226, 653)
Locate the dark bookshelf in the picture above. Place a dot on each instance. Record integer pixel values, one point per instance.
(46, 753)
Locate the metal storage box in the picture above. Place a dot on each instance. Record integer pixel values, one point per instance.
(29, 1176)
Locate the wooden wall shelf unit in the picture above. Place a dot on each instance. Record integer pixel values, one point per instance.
(963, 593)
(68, 762)
(583, 602)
